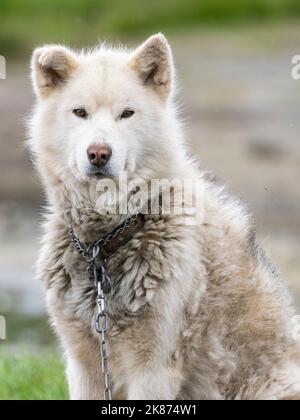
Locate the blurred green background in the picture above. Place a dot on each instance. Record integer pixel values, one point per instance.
(80, 22)
(242, 113)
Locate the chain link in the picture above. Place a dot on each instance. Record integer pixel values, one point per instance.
(98, 274)
(102, 327)
(86, 251)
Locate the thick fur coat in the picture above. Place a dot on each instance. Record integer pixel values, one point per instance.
(196, 311)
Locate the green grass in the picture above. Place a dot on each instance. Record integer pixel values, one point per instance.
(24, 24)
(32, 377)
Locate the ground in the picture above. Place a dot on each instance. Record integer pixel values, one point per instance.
(32, 377)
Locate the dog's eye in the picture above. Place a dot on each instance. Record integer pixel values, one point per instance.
(80, 112)
(127, 113)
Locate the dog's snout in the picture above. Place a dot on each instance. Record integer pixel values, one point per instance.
(99, 154)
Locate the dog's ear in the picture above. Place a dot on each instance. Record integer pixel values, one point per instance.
(51, 66)
(154, 63)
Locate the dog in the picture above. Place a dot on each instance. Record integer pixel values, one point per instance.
(196, 311)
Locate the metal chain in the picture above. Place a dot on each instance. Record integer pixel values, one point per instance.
(85, 251)
(78, 245)
(102, 327)
(119, 231)
(98, 274)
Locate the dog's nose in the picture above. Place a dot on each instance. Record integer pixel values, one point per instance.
(99, 154)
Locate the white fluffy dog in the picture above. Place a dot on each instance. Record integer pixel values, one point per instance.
(195, 311)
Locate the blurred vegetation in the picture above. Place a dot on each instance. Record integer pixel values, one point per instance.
(24, 24)
(32, 377)
(29, 329)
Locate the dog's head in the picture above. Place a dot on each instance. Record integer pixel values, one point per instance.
(102, 112)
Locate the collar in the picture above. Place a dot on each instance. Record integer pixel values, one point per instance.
(109, 244)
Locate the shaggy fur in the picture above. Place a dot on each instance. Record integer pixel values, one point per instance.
(196, 312)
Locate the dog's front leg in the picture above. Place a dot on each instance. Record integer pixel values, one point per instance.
(85, 382)
(80, 346)
(158, 383)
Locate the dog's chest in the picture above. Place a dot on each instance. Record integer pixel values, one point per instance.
(135, 271)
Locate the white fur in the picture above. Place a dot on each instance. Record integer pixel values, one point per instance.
(196, 312)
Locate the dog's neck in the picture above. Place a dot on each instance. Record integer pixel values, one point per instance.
(85, 208)
(80, 209)
(89, 211)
